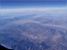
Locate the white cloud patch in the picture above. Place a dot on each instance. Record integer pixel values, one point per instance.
(33, 10)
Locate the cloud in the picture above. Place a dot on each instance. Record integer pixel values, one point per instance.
(33, 10)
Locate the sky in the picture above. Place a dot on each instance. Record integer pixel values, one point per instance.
(32, 6)
(33, 0)
(32, 3)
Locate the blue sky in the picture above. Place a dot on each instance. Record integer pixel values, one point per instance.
(31, 3)
(33, 0)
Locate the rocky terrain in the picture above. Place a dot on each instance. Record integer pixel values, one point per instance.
(43, 31)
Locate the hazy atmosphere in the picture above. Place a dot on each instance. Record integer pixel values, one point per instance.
(33, 24)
